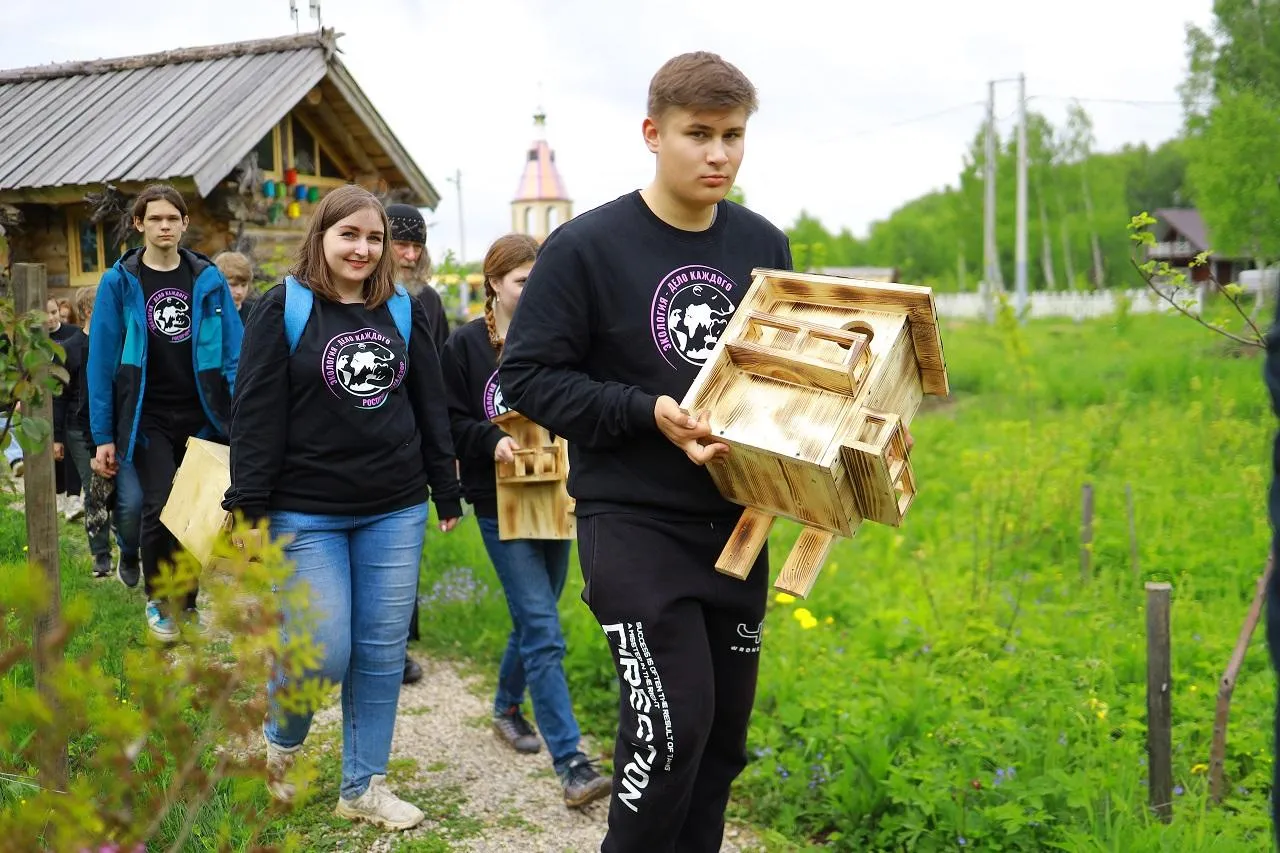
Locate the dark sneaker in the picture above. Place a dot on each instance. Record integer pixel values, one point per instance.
(412, 671)
(582, 784)
(127, 570)
(102, 567)
(515, 730)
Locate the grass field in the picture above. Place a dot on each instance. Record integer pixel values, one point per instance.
(959, 684)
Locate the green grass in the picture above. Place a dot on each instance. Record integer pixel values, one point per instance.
(948, 652)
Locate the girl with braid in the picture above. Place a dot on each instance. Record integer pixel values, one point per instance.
(532, 571)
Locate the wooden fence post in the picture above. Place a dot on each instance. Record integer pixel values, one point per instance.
(1086, 532)
(30, 290)
(1159, 702)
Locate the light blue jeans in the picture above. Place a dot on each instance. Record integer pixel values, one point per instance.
(533, 572)
(362, 572)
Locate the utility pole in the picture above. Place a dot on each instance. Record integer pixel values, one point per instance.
(990, 259)
(464, 289)
(1020, 245)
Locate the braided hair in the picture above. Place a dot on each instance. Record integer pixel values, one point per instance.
(506, 253)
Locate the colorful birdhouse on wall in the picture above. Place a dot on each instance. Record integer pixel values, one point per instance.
(812, 385)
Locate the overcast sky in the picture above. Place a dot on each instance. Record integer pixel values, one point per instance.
(841, 83)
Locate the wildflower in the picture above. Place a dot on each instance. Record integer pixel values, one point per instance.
(1199, 768)
(805, 618)
(829, 620)
(962, 841)
(1194, 688)
(977, 786)
(784, 598)
(1102, 715)
(1177, 791)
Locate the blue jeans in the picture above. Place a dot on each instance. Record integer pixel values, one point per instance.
(362, 572)
(128, 516)
(532, 572)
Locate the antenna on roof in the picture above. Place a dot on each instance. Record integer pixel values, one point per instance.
(315, 13)
(293, 13)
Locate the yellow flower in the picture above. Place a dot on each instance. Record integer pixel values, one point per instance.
(807, 623)
(784, 598)
(1102, 715)
(1200, 768)
(802, 613)
(829, 620)
(1194, 688)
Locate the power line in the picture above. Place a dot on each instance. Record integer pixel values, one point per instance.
(936, 114)
(1132, 102)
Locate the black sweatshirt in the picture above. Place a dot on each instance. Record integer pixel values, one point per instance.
(171, 373)
(345, 426)
(66, 405)
(471, 380)
(620, 309)
(434, 307)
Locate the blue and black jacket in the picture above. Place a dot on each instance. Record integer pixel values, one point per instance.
(117, 369)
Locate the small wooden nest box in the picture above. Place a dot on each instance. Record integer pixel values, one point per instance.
(194, 513)
(812, 384)
(533, 501)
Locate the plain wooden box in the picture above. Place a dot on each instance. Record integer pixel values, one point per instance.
(533, 501)
(194, 512)
(812, 385)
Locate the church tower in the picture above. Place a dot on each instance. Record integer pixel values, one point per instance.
(541, 202)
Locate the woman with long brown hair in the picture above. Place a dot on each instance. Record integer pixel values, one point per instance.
(339, 429)
(532, 571)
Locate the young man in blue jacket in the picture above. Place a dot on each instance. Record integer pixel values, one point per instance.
(162, 367)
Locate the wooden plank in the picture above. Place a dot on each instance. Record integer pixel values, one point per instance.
(804, 563)
(1159, 702)
(339, 130)
(194, 513)
(743, 548)
(779, 485)
(29, 294)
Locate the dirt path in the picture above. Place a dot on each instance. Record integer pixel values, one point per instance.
(481, 796)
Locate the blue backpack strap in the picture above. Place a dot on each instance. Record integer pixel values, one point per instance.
(401, 307)
(298, 299)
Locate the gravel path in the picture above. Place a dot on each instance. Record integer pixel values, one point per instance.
(480, 795)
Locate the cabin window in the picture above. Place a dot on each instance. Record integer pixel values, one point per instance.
(90, 251)
(309, 156)
(269, 152)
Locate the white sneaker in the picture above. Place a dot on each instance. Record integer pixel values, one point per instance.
(279, 763)
(380, 807)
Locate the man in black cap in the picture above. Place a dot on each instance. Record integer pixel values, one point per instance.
(409, 244)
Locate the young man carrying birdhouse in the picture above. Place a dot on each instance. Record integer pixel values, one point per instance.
(624, 305)
(162, 366)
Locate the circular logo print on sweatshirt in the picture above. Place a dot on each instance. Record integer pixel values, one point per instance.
(691, 308)
(494, 403)
(169, 314)
(362, 367)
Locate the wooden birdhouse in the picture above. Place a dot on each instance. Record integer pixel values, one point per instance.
(812, 385)
(194, 513)
(533, 500)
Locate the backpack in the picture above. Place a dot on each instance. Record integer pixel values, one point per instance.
(298, 300)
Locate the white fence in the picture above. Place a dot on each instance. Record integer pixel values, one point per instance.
(1080, 305)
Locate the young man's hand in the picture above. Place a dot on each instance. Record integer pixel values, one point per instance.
(506, 450)
(59, 451)
(448, 524)
(106, 460)
(684, 431)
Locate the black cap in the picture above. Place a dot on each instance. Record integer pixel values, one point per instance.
(407, 223)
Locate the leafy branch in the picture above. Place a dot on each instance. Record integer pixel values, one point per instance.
(1175, 294)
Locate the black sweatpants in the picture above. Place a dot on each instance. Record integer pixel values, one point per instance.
(160, 448)
(686, 644)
